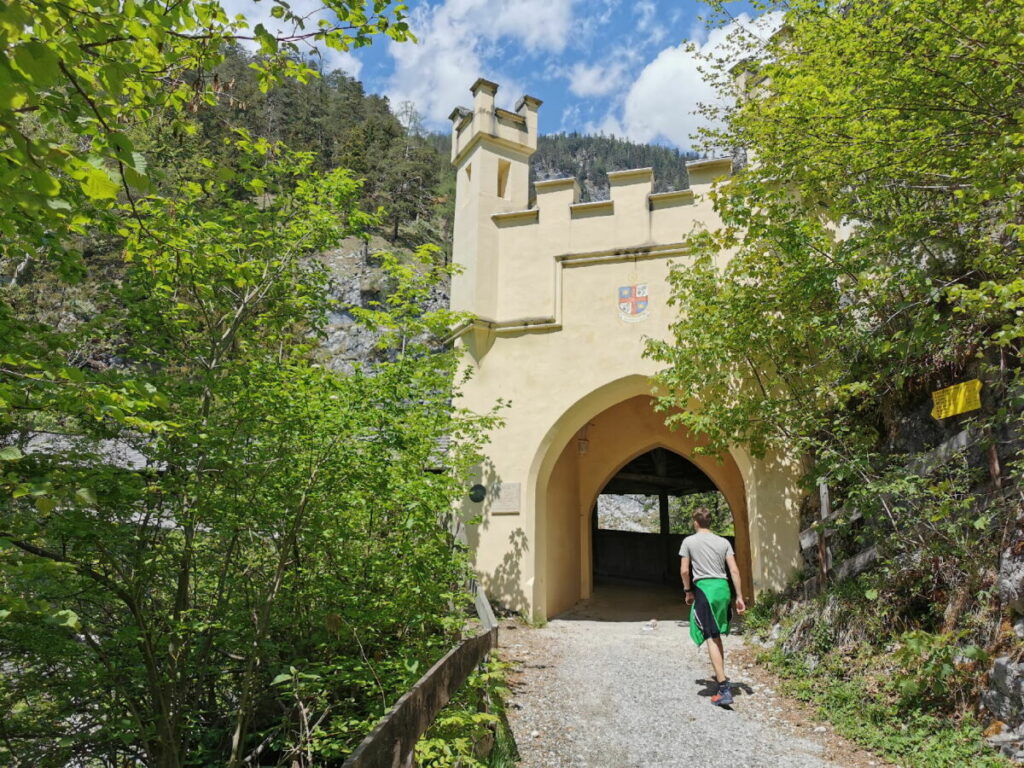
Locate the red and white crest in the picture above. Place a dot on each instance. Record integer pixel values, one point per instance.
(633, 302)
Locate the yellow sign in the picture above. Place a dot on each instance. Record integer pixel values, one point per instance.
(960, 398)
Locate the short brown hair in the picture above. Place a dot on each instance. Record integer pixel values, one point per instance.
(702, 517)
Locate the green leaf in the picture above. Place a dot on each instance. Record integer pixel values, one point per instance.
(73, 374)
(13, 96)
(139, 162)
(10, 453)
(86, 496)
(37, 62)
(136, 179)
(45, 184)
(284, 677)
(267, 42)
(66, 618)
(45, 504)
(975, 653)
(98, 185)
(871, 594)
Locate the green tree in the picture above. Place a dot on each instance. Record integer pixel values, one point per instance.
(212, 549)
(77, 79)
(869, 254)
(409, 174)
(275, 571)
(874, 236)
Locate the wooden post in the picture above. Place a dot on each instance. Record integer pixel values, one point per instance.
(824, 513)
(665, 540)
(994, 469)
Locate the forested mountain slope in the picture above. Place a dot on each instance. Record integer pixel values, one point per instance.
(589, 158)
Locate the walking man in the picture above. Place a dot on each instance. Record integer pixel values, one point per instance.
(709, 595)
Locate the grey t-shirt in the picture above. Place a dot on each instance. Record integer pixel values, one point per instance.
(707, 552)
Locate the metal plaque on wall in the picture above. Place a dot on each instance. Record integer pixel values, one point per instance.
(506, 500)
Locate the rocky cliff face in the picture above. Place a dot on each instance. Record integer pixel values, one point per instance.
(1004, 698)
(1011, 573)
(628, 512)
(358, 281)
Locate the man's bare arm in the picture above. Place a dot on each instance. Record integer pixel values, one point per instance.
(734, 571)
(684, 574)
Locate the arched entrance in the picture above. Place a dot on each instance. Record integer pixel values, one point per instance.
(643, 514)
(584, 463)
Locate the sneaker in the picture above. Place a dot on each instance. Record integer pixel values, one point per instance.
(724, 696)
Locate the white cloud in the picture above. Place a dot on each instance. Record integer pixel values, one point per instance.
(589, 27)
(609, 126)
(571, 118)
(663, 101)
(457, 37)
(540, 24)
(649, 26)
(596, 80)
(342, 60)
(646, 8)
(310, 10)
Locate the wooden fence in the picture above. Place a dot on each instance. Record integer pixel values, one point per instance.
(392, 743)
(814, 540)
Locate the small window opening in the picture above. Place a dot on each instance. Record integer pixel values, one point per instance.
(504, 166)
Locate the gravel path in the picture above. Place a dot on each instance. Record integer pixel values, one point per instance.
(605, 687)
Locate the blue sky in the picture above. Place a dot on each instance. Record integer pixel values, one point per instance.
(617, 66)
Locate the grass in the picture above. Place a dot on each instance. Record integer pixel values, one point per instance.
(505, 753)
(913, 739)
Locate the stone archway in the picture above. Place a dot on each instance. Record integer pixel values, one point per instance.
(615, 435)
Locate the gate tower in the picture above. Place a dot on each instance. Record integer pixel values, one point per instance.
(562, 295)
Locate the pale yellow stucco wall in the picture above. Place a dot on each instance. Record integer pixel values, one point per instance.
(565, 556)
(549, 339)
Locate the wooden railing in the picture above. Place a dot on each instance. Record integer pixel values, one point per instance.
(392, 742)
(814, 540)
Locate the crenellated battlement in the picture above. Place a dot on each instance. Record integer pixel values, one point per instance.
(513, 245)
(633, 216)
(631, 196)
(516, 131)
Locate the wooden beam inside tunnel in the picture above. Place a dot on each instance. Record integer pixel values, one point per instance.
(634, 482)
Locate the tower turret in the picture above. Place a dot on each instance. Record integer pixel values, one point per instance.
(491, 149)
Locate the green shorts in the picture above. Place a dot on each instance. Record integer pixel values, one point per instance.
(711, 609)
